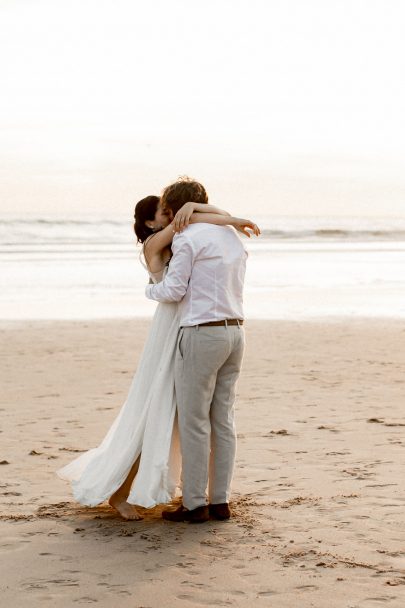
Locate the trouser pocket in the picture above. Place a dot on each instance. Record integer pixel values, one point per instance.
(180, 343)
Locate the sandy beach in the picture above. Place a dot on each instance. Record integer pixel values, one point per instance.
(319, 492)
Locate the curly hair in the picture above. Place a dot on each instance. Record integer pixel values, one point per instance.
(184, 190)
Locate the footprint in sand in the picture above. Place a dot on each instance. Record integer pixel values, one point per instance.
(70, 450)
(35, 586)
(328, 428)
(203, 602)
(377, 601)
(195, 585)
(395, 581)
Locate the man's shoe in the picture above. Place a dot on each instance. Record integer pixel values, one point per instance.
(221, 511)
(194, 516)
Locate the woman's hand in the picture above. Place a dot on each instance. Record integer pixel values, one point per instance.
(244, 226)
(182, 218)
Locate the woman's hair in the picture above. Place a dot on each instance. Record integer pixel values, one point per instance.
(184, 190)
(145, 211)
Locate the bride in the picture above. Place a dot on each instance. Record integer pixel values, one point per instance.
(138, 462)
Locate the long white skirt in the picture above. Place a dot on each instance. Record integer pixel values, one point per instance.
(146, 426)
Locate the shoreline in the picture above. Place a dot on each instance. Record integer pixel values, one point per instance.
(315, 320)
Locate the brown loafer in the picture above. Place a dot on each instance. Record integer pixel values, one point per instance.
(220, 511)
(194, 516)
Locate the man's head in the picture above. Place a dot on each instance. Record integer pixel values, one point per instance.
(184, 190)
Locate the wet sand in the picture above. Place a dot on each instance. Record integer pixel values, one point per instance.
(319, 492)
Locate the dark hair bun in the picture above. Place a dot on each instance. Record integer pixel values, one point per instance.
(145, 211)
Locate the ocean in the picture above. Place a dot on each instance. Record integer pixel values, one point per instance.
(299, 268)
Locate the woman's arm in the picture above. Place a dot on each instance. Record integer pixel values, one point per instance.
(157, 242)
(182, 217)
(154, 246)
(240, 224)
(207, 208)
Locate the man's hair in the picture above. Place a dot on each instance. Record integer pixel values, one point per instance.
(184, 190)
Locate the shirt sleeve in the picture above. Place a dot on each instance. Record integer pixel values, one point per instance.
(174, 285)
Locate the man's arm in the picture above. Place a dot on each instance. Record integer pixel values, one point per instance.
(174, 286)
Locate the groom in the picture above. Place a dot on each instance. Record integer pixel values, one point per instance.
(205, 276)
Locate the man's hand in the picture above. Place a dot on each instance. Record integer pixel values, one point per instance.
(244, 226)
(182, 217)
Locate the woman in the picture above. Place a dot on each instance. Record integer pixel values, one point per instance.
(138, 462)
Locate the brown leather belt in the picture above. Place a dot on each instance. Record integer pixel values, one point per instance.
(223, 323)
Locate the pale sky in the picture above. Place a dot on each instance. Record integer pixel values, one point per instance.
(284, 107)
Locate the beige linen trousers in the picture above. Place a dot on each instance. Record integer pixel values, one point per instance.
(207, 366)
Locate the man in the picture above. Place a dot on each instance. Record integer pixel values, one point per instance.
(206, 276)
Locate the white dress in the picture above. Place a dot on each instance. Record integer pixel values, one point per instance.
(146, 425)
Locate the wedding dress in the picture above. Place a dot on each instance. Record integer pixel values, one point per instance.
(145, 426)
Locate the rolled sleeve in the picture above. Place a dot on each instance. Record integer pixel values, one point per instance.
(174, 285)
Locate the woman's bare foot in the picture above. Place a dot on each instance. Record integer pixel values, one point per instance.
(123, 507)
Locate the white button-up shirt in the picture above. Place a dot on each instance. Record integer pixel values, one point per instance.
(206, 275)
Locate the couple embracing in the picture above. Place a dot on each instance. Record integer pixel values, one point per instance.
(175, 433)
